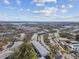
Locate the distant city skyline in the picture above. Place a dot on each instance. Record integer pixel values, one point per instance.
(39, 10)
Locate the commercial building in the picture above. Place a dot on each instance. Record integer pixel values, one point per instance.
(40, 49)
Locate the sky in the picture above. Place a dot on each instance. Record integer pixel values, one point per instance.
(39, 10)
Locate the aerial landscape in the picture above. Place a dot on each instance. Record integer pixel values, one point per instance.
(39, 29)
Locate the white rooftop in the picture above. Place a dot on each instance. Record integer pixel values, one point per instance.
(40, 48)
(42, 58)
(74, 42)
(5, 54)
(63, 39)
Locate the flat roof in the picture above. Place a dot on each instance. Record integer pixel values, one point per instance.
(5, 53)
(74, 42)
(42, 58)
(63, 39)
(40, 48)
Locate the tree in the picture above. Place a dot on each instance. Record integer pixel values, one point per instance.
(1, 48)
(54, 48)
(25, 52)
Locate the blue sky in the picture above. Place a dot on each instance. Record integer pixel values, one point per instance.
(39, 10)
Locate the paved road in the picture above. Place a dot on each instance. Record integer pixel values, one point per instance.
(43, 43)
(35, 36)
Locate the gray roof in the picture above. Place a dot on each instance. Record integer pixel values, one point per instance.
(40, 48)
(42, 58)
(5, 54)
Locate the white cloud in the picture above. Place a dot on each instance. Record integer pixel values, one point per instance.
(43, 1)
(51, 1)
(27, 9)
(39, 4)
(47, 11)
(6, 2)
(18, 2)
(21, 9)
(70, 6)
(63, 10)
(63, 6)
